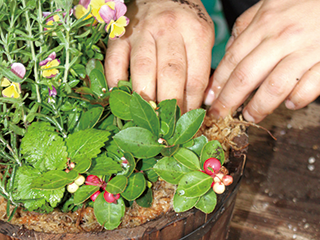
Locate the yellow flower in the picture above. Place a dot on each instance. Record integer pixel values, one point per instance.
(96, 6)
(80, 11)
(48, 66)
(117, 28)
(12, 89)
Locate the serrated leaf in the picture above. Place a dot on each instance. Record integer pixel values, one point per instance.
(194, 184)
(138, 141)
(34, 199)
(104, 165)
(83, 193)
(212, 149)
(187, 126)
(120, 104)
(170, 170)
(136, 186)
(187, 158)
(167, 115)
(109, 215)
(86, 143)
(117, 184)
(53, 180)
(43, 148)
(207, 202)
(143, 114)
(182, 204)
(90, 118)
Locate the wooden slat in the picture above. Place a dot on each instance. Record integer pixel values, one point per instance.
(279, 197)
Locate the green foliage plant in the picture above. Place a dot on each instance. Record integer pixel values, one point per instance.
(59, 121)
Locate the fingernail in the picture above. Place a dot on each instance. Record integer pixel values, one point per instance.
(209, 98)
(290, 105)
(248, 117)
(230, 41)
(214, 113)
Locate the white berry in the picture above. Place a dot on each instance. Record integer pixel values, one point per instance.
(218, 187)
(72, 188)
(80, 180)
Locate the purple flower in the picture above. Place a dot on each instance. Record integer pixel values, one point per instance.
(52, 92)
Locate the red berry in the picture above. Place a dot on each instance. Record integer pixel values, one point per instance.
(93, 180)
(95, 195)
(111, 198)
(227, 180)
(211, 166)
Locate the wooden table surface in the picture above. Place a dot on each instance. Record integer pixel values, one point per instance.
(279, 197)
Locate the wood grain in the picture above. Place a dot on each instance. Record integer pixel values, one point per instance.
(279, 197)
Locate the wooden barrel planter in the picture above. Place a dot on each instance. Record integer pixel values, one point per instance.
(190, 225)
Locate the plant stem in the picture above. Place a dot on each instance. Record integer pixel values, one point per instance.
(66, 65)
(34, 58)
(16, 158)
(6, 48)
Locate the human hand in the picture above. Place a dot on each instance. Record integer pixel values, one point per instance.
(168, 47)
(276, 48)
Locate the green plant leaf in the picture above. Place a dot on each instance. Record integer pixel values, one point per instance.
(182, 204)
(54, 179)
(169, 151)
(109, 215)
(117, 184)
(94, 64)
(43, 148)
(138, 141)
(80, 70)
(187, 126)
(82, 165)
(151, 175)
(34, 199)
(120, 104)
(187, 158)
(98, 83)
(143, 114)
(194, 184)
(167, 115)
(170, 170)
(207, 202)
(198, 144)
(104, 165)
(212, 149)
(10, 75)
(90, 118)
(136, 186)
(146, 164)
(86, 143)
(130, 166)
(83, 193)
(145, 200)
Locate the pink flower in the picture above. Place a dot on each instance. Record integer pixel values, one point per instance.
(47, 66)
(13, 89)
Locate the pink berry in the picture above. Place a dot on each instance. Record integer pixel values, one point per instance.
(93, 180)
(218, 187)
(211, 166)
(95, 195)
(111, 198)
(227, 180)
